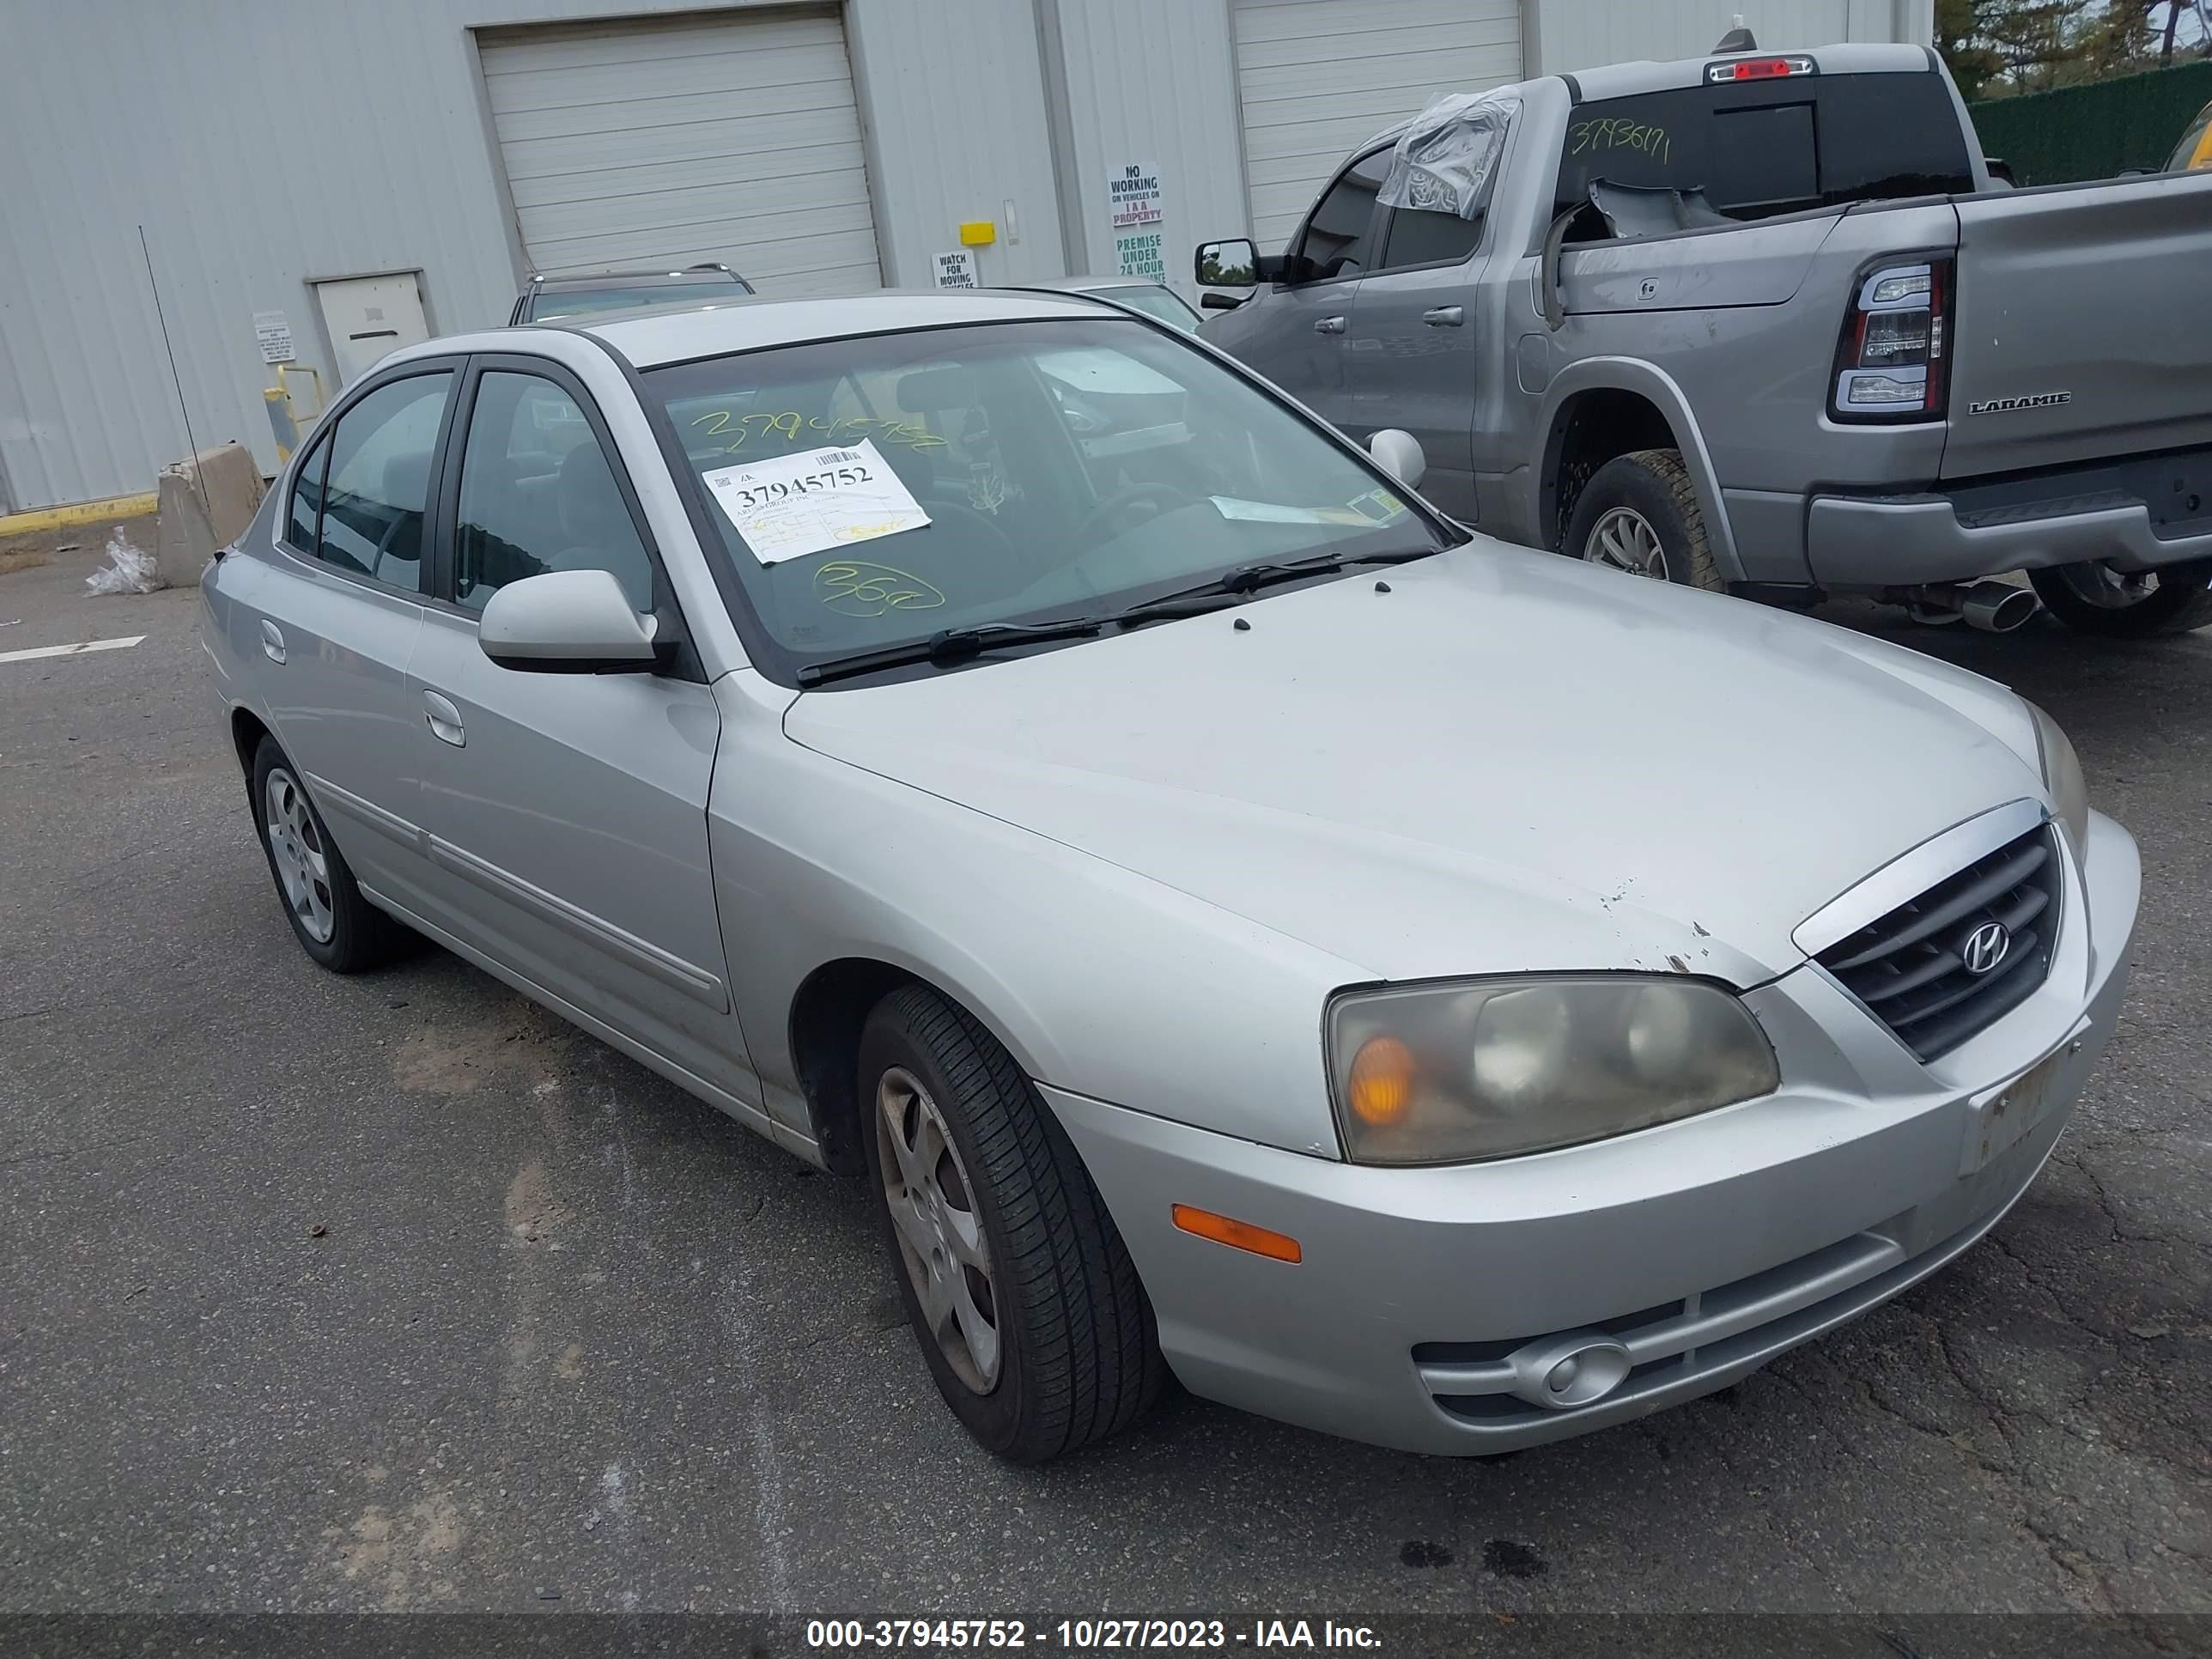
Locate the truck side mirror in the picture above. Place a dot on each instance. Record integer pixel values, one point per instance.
(1226, 264)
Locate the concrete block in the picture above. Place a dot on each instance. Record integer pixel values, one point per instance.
(205, 502)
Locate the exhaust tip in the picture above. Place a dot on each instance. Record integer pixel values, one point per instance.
(1997, 607)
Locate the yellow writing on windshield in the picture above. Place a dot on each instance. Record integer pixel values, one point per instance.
(854, 587)
(789, 424)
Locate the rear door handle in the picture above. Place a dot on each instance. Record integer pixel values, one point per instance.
(1444, 317)
(445, 719)
(272, 641)
(1328, 325)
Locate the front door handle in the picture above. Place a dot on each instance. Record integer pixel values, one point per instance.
(272, 641)
(1444, 317)
(1328, 325)
(445, 719)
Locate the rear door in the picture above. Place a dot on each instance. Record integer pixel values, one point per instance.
(1295, 333)
(1412, 352)
(2080, 328)
(567, 813)
(338, 621)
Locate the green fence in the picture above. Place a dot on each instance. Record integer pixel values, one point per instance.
(2097, 130)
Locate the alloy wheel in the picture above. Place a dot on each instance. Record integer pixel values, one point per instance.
(940, 1236)
(1624, 540)
(295, 847)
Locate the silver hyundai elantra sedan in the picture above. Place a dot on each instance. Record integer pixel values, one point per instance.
(1241, 923)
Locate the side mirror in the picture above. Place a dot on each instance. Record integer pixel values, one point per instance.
(567, 621)
(1398, 453)
(1225, 265)
(1220, 302)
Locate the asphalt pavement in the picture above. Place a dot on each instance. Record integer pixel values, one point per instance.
(395, 1293)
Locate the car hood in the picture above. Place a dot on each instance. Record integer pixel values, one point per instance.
(1491, 760)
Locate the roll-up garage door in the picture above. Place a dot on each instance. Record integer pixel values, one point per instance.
(732, 138)
(1315, 77)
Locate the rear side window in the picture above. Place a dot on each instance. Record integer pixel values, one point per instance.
(1776, 147)
(1336, 237)
(379, 480)
(308, 497)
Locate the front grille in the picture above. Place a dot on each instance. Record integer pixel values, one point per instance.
(1909, 967)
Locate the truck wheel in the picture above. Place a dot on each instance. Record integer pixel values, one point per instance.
(2095, 598)
(1640, 514)
(1022, 1296)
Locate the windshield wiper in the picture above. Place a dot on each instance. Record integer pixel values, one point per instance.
(1251, 578)
(949, 645)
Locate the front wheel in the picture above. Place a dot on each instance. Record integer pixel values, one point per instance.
(1639, 514)
(1027, 1308)
(2093, 597)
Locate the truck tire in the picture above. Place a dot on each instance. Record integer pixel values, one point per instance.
(2094, 598)
(1639, 514)
(1022, 1296)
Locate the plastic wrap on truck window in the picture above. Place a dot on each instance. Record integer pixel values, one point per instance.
(1446, 156)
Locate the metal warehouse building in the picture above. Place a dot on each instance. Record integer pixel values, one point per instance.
(334, 177)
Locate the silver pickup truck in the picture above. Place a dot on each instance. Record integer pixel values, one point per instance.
(1765, 323)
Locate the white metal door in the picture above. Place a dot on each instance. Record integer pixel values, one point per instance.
(1315, 77)
(727, 138)
(369, 317)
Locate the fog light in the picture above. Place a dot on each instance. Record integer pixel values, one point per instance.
(1578, 1369)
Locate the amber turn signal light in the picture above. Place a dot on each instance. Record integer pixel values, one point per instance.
(1238, 1234)
(1382, 1088)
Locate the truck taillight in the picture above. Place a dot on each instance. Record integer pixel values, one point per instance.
(1890, 363)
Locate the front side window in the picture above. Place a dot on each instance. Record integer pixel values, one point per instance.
(379, 480)
(1065, 468)
(1336, 238)
(538, 494)
(1416, 236)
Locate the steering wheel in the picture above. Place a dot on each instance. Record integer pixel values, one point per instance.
(1165, 498)
(391, 532)
(994, 542)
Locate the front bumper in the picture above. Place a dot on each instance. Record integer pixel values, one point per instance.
(1705, 1246)
(1861, 541)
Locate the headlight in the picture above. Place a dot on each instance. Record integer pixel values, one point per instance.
(2062, 777)
(1479, 1069)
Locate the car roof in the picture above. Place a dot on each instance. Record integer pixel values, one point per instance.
(632, 279)
(1088, 284)
(1626, 80)
(665, 335)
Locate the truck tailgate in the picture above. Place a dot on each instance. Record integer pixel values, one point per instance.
(2080, 329)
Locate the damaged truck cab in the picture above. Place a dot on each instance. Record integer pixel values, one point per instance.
(1761, 323)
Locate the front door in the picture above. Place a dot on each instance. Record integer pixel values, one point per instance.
(1294, 333)
(567, 812)
(1411, 351)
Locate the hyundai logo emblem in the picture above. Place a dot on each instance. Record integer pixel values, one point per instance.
(1985, 947)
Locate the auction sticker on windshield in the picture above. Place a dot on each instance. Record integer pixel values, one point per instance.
(795, 505)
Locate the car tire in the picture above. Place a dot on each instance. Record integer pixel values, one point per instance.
(1639, 514)
(1055, 1347)
(334, 924)
(2092, 598)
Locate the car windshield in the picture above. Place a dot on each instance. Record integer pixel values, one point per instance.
(1161, 302)
(876, 492)
(554, 303)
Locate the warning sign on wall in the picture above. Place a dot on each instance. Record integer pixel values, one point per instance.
(1134, 190)
(1140, 253)
(956, 269)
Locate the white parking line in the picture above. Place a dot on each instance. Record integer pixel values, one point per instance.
(70, 650)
